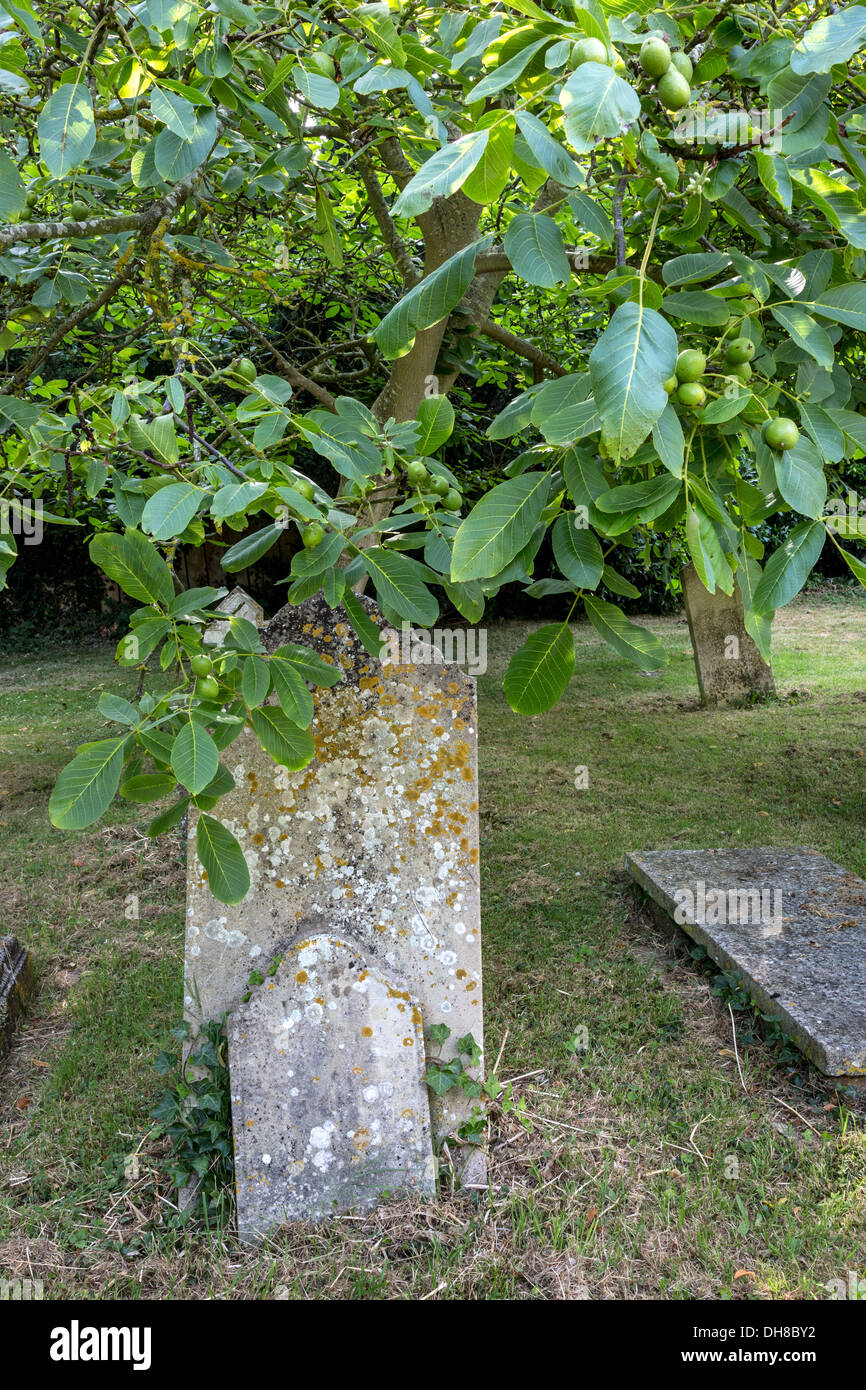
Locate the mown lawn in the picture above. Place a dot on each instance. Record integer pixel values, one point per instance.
(651, 1167)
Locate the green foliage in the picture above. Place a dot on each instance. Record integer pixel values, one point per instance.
(195, 1112)
(280, 285)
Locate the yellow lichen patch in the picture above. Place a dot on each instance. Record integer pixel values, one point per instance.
(408, 1114)
(341, 630)
(361, 1140)
(408, 1042)
(416, 1016)
(366, 1032)
(258, 839)
(301, 977)
(461, 974)
(473, 984)
(279, 883)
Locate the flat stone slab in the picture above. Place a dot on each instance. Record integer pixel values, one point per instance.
(375, 842)
(792, 923)
(16, 985)
(328, 1106)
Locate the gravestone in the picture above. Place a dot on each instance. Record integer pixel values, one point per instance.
(237, 604)
(727, 661)
(375, 842)
(16, 985)
(328, 1106)
(791, 923)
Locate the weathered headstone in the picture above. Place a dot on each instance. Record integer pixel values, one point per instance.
(728, 663)
(375, 842)
(16, 985)
(328, 1105)
(792, 923)
(237, 604)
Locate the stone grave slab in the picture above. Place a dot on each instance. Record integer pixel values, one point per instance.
(236, 604)
(16, 985)
(376, 841)
(328, 1106)
(791, 922)
(727, 661)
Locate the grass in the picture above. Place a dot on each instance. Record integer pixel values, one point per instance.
(651, 1168)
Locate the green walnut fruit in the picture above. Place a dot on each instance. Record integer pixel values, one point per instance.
(417, 474)
(304, 488)
(452, 501)
(673, 90)
(739, 350)
(207, 688)
(654, 57)
(692, 394)
(672, 384)
(312, 535)
(79, 210)
(781, 433)
(31, 198)
(741, 370)
(589, 51)
(691, 365)
(683, 64)
(201, 665)
(440, 486)
(245, 369)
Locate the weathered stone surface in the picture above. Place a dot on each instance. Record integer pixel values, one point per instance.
(375, 841)
(328, 1106)
(237, 604)
(16, 985)
(801, 952)
(728, 664)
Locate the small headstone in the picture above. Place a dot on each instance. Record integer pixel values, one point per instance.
(328, 1106)
(791, 923)
(16, 985)
(375, 842)
(237, 604)
(728, 663)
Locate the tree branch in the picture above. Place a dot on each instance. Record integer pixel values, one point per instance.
(287, 368)
(521, 347)
(397, 248)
